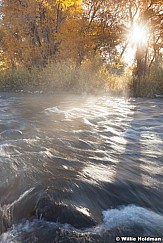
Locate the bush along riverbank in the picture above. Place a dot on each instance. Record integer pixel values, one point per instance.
(89, 77)
(65, 76)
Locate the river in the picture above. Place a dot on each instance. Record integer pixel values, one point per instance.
(80, 168)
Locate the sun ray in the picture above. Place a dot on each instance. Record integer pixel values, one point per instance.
(139, 34)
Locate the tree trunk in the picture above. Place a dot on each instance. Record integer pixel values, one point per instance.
(58, 20)
(140, 70)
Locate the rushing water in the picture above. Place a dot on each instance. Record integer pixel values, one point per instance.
(79, 168)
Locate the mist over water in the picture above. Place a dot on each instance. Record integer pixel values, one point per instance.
(80, 168)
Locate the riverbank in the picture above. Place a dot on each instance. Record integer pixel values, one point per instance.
(90, 78)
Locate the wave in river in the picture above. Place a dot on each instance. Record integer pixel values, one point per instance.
(128, 220)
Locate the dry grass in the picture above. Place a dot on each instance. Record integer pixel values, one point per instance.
(90, 77)
(19, 78)
(152, 83)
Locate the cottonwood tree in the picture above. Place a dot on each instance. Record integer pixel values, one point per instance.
(30, 28)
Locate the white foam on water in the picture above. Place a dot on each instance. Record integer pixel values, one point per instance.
(83, 210)
(131, 215)
(65, 167)
(54, 110)
(14, 234)
(8, 149)
(46, 153)
(75, 113)
(86, 121)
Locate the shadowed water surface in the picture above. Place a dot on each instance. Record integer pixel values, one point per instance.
(80, 168)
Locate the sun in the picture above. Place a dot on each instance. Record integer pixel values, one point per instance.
(139, 34)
